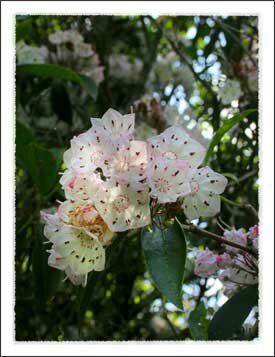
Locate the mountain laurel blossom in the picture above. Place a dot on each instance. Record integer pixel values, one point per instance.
(234, 268)
(204, 199)
(109, 182)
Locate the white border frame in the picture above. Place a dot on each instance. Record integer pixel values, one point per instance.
(263, 346)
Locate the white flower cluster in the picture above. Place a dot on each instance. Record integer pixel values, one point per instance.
(70, 50)
(230, 91)
(29, 54)
(168, 70)
(73, 51)
(108, 183)
(122, 67)
(235, 269)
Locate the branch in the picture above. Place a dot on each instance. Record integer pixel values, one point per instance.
(217, 238)
(243, 178)
(246, 206)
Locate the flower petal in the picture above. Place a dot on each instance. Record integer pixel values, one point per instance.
(169, 179)
(210, 180)
(175, 143)
(123, 206)
(116, 125)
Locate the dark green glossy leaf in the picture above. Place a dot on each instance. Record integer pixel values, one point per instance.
(229, 123)
(165, 255)
(227, 322)
(198, 324)
(46, 279)
(41, 163)
(59, 72)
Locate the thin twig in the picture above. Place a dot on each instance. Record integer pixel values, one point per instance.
(246, 206)
(217, 238)
(243, 178)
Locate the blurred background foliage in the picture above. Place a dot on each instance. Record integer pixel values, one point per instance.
(195, 70)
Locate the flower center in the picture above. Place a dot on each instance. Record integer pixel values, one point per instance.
(87, 217)
(120, 162)
(170, 155)
(121, 203)
(162, 185)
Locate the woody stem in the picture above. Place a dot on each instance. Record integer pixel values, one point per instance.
(217, 238)
(246, 206)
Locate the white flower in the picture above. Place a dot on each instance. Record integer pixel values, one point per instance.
(121, 67)
(169, 70)
(128, 163)
(206, 264)
(80, 187)
(119, 127)
(29, 54)
(169, 179)
(123, 206)
(175, 143)
(60, 37)
(78, 235)
(230, 91)
(79, 55)
(83, 49)
(85, 217)
(88, 151)
(204, 200)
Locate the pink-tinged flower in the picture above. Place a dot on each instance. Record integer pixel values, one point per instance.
(204, 200)
(206, 264)
(175, 143)
(128, 163)
(254, 232)
(119, 127)
(223, 260)
(88, 151)
(80, 187)
(123, 206)
(237, 236)
(169, 179)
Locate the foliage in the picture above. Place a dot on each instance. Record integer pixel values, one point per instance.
(54, 101)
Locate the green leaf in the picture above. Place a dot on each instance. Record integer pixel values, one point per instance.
(228, 320)
(59, 72)
(41, 163)
(24, 135)
(198, 324)
(58, 155)
(46, 279)
(229, 123)
(165, 255)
